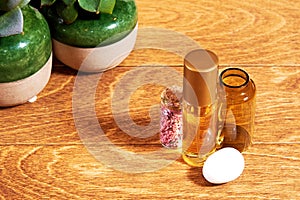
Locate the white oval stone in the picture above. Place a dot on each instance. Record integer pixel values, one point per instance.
(223, 166)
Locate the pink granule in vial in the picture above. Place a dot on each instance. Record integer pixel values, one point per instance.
(171, 117)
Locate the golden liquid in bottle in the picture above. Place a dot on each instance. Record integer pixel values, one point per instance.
(199, 133)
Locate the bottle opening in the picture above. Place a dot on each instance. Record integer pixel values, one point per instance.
(234, 78)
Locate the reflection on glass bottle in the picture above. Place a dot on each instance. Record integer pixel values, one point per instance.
(240, 98)
(199, 133)
(199, 106)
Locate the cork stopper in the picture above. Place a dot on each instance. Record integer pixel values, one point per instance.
(200, 77)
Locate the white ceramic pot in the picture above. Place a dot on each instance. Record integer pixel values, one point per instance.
(19, 92)
(95, 59)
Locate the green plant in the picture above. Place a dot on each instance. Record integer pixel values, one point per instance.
(11, 17)
(69, 10)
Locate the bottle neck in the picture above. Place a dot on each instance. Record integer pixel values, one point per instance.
(234, 78)
(237, 84)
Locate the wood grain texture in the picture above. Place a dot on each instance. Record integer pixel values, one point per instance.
(50, 119)
(69, 172)
(43, 157)
(240, 32)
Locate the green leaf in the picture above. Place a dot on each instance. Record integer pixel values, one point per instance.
(11, 23)
(68, 13)
(8, 5)
(47, 2)
(69, 2)
(89, 5)
(106, 6)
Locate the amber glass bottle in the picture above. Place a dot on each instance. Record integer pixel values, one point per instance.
(199, 106)
(240, 93)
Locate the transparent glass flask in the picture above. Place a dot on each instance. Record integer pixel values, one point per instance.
(171, 117)
(240, 92)
(200, 106)
(217, 110)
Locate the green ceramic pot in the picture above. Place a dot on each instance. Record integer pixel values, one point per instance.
(95, 43)
(89, 32)
(24, 54)
(25, 60)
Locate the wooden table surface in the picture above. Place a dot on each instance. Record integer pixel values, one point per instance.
(43, 157)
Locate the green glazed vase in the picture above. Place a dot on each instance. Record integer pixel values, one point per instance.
(24, 54)
(25, 60)
(89, 32)
(98, 42)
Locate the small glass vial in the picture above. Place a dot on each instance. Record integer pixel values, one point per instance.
(240, 92)
(199, 106)
(171, 118)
